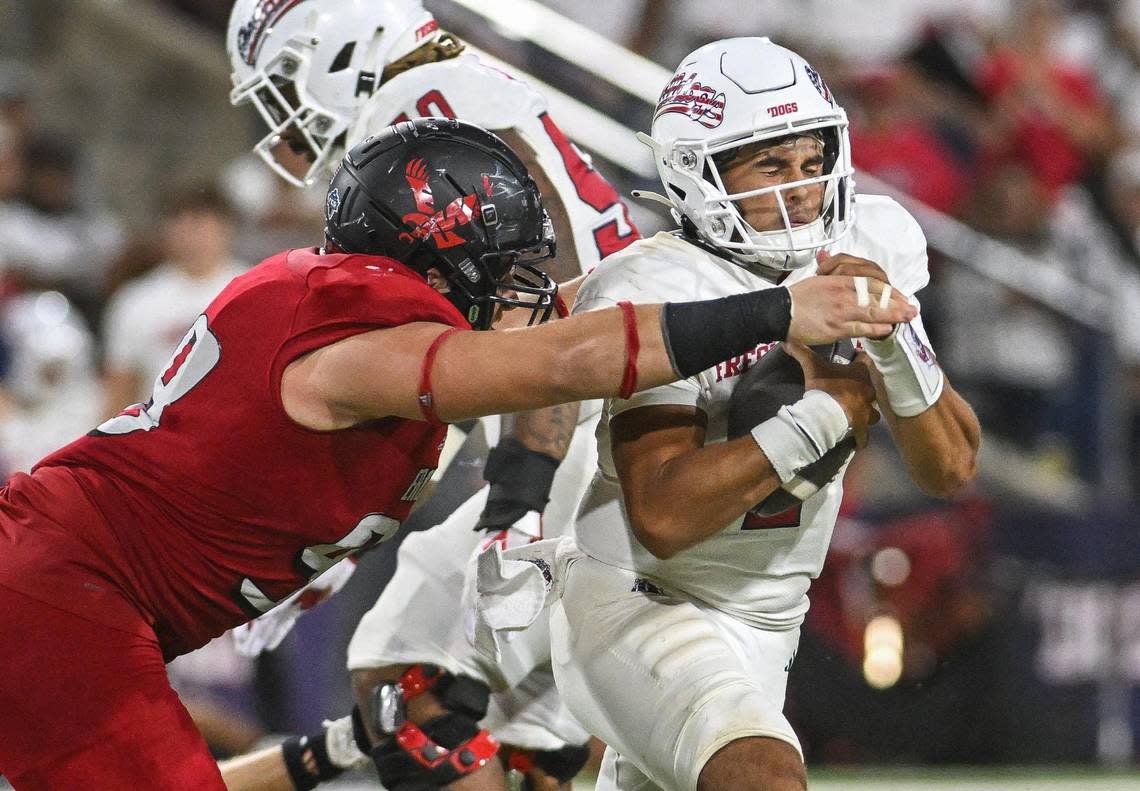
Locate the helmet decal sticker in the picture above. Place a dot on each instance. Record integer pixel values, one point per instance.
(332, 203)
(687, 95)
(427, 28)
(416, 175)
(438, 226)
(819, 84)
(266, 14)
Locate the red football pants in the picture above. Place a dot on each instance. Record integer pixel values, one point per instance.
(84, 706)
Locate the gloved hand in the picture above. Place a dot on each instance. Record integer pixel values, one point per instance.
(311, 760)
(266, 632)
(520, 488)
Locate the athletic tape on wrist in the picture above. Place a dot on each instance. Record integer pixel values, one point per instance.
(520, 480)
(801, 433)
(911, 373)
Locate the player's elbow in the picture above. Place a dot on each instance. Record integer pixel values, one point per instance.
(659, 536)
(951, 476)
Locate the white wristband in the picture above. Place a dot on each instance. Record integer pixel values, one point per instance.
(911, 373)
(801, 433)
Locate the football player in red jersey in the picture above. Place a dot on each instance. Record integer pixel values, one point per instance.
(296, 424)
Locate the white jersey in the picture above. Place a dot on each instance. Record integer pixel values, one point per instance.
(465, 88)
(759, 574)
(147, 316)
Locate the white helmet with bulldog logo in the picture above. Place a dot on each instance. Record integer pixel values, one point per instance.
(734, 93)
(308, 65)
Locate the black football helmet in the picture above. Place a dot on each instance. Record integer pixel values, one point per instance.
(442, 193)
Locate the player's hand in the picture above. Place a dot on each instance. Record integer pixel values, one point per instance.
(844, 264)
(850, 385)
(829, 307)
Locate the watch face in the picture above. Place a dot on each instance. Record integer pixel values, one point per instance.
(388, 712)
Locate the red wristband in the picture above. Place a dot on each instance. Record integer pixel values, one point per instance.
(632, 347)
(427, 400)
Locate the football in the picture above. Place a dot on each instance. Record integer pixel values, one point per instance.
(776, 380)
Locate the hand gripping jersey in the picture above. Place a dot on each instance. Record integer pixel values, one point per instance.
(756, 570)
(208, 504)
(465, 88)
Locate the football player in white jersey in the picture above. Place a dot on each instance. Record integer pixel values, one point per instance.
(680, 612)
(325, 72)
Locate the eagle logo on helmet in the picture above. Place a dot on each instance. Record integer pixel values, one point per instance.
(266, 14)
(441, 227)
(687, 95)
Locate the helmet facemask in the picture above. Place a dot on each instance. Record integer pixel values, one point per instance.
(310, 130)
(715, 213)
(479, 284)
(309, 67)
(748, 91)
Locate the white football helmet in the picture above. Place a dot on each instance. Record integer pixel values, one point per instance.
(308, 65)
(734, 93)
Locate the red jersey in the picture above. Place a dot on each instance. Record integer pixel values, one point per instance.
(208, 504)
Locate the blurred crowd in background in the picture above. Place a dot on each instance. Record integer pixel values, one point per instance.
(1016, 121)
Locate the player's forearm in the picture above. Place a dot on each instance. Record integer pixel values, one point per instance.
(548, 431)
(694, 496)
(939, 446)
(602, 353)
(575, 359)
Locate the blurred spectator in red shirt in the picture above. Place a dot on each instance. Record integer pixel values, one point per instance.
(1044, 113)
(891, 142)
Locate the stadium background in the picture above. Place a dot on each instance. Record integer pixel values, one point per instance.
(1011, 128)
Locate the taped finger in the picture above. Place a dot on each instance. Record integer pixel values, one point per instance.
(862, 293)
(885, 297)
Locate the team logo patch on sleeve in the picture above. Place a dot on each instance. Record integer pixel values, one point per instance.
(687, 95)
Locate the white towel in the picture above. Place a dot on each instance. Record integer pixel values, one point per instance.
(506, 591)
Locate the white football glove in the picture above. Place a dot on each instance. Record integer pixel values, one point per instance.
(266, 632)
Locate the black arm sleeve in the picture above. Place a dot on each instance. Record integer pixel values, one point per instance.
(701, 334)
